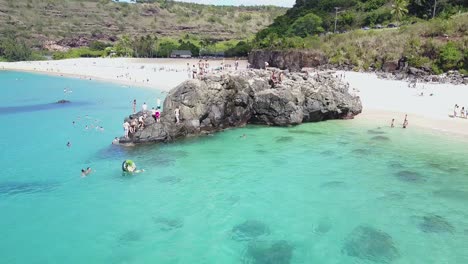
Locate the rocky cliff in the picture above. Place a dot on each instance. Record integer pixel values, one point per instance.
(291, 60)
(236, 99)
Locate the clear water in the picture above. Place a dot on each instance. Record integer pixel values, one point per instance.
(309, 186)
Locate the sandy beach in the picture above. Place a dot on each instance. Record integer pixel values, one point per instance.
(161, 74)
(382, 99)
(428, 105)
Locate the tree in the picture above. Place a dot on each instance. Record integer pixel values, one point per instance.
(13, 49)
(307, 25)
(124, 46)
(400, 9)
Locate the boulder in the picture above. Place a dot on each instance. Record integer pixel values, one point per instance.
(291, 60)
(222, 101)
(390, 66)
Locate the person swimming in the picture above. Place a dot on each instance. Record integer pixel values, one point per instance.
(85, 173)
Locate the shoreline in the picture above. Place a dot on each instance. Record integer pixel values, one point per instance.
(457, 128)
(161, 74)
(382, 99)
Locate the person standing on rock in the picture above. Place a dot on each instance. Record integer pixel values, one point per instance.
(177, 114)
(266, 65)
(144, 107)
(134, 106)
(158, 103)
(126, 127)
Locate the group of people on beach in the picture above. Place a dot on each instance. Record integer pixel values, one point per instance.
(460, 112)
(404, 125)
(203, 67)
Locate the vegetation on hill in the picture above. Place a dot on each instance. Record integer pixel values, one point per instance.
(437, 44)
(148, 28)
(108, 20)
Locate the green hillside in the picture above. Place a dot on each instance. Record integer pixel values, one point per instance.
(436, 44)
(55, 20)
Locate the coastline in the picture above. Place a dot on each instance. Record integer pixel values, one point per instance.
(382, 99)
(161, 74)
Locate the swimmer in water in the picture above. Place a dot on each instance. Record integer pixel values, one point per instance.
(85, 173)
(115, 141)
(69, 144)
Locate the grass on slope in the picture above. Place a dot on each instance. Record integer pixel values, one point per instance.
(57, 19)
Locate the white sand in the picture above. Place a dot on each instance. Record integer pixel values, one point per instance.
(382, 99)
(386, 99)
(161, 74)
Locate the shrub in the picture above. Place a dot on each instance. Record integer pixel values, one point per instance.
(13, 49)
(450, 57)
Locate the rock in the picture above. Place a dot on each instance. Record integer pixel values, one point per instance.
(370, 244)
(233, 100)
(248, 230)
(390, 66)
(168, 224)
(62, 102)
(435, 224)
(278, 252)
(416, 71)
(410, 176)
(291, 60)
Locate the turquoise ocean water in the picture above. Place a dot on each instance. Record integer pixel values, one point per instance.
(331, 192)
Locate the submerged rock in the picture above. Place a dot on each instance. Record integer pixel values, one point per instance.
(370, 244)
(231, 100)
(130, 236)
(13, 188)
(333, 184)
(380, 138)
(375, 132)
(278, 252)
(452, 194)
(168, 224)
(249, 230)
(169, 179)
(284, 139)
(62, 102)
(410, 176)
(435, 224)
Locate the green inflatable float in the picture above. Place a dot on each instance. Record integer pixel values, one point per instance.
(129, 166)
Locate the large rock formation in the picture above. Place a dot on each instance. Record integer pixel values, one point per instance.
(291, 60)
(236, 99)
